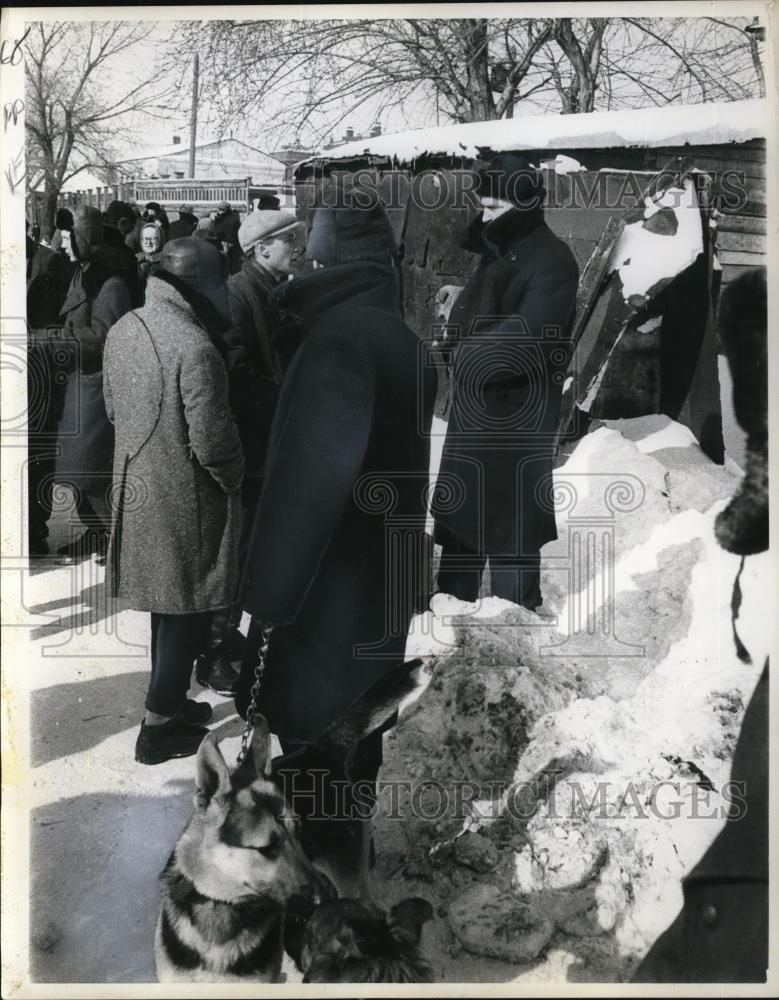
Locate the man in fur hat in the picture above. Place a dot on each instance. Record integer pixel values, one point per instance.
(513, 319)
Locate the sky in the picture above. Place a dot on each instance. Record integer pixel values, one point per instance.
(148, 132)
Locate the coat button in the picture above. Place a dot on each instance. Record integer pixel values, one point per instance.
(709, 914)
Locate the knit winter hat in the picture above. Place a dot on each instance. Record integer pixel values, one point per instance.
(63, 219)
(340, 235)
(87, 229)
(510, 178)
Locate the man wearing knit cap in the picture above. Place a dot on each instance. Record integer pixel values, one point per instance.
(513, 320)
(347, 462)
(269, 240)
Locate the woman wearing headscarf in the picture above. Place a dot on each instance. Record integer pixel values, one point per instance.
(152, 242)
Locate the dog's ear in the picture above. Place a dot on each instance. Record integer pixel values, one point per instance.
(261, 755)
(212, 776)
(406, 918)
(371, 710)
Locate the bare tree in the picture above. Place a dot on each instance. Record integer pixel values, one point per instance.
(583, 54)
(74, 112)
(293, 77)
(314, 74)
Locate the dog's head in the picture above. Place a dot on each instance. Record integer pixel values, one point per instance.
(243, 840)
(351, 941)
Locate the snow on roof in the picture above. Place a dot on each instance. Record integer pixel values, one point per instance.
(83, 181)
(673, 125)
(178, 148)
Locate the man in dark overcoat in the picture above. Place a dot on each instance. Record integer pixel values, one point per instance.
(513, 318)
(184, 225)
(269, 240)
(334, 558)
(226, 225)
(177, 478)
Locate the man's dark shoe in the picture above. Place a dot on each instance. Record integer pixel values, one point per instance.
(195, 713)
(156, 744)
(80, 548)
(214, 670)
(40, 553)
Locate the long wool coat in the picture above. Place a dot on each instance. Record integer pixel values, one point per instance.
(254, 371)
(514, 317)
(177, 464)
(336, 555)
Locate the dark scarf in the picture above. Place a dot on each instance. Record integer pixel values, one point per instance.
(356, 284)
(215, 325)
(494, 238)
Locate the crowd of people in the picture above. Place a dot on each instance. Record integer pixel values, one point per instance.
(241, 408)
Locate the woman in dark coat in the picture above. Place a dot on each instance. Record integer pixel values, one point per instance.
(177, 477)
(99, 294)
(345, 474)
(493, 498)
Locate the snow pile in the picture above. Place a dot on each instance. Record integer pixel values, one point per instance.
(598, 737)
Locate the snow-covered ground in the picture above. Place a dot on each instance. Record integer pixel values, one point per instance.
(631, 667)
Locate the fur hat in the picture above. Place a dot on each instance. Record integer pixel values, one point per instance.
(341, 235)
(742, 527)
(119, 210)
(511, 178)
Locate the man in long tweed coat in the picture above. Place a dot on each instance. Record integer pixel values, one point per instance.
(178, 469)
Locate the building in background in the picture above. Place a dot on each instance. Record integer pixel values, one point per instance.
(221, 158)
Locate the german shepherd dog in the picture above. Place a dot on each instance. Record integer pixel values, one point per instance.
(235, 872)
(239, 874)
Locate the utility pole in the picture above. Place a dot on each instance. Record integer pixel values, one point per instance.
(193, 115)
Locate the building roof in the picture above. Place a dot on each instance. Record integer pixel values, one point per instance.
(672, 125)
(82, 181)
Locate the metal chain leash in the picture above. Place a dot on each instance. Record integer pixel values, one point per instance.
(259, 670)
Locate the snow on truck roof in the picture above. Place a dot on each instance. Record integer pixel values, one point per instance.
(675, 125)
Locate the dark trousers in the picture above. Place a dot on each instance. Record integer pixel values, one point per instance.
(175, 642)
(229, 619)
(93, 510)
(514, 578)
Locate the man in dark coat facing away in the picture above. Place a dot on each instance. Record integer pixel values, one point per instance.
(348, 456)
(269, 240)
(513, 319)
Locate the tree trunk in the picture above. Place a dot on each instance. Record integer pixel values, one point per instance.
(50, 196)
(482, 105)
